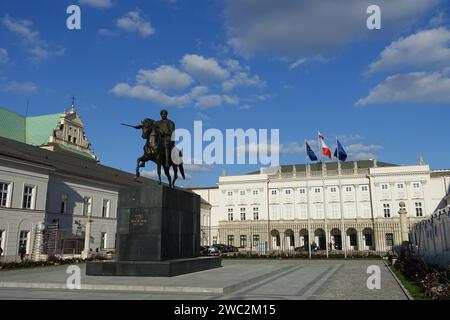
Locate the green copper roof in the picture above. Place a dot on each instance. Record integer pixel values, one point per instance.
(12, 125)
(30, 130)
(40, 128)
(34, 131)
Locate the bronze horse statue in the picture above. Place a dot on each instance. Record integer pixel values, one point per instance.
(154, 151)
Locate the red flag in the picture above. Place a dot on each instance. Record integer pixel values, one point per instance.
(325, 150)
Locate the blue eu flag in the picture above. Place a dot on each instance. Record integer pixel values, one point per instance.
(310, 153)
(339, 152)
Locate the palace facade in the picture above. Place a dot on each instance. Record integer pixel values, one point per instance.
(352, 206)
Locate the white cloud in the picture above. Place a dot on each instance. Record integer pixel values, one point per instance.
(209, 101)
(156, 84)
(102, 4)
(253, 149)
(425, 49)
(203, 69)
(36, 47)
(257, 97)
(4, 57)
(242, 79)
(351, 137)
(165, 78)
(292, 147)
(199, 91)
(106, 32)
(134, 22)
(360, 151)
(143, 92)
(196, 167)
(240, 76)
(439, 19)
(414, 87)
(358, 147)
(306, 27)
(230, 100)
(21, 87)
(215, 100)
(297, 63)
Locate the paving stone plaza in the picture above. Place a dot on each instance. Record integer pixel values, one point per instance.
(235, 280)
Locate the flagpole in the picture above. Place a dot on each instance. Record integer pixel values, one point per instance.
(308, 207)
(324, 197)
(343, 233)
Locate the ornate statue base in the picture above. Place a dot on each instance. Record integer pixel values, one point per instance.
(158, 234)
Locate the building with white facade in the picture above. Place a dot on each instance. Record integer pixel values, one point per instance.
(347, 207)
(52, 186)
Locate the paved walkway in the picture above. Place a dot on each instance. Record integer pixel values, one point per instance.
(236, 279)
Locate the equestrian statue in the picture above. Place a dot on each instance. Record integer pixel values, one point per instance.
(159, 147)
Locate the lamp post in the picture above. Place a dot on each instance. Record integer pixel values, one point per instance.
(87, 238)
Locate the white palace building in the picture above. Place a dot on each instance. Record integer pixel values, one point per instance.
(281, 208)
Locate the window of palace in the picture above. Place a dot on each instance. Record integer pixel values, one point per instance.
(231, 240)
(389, 239)
(386, 210)
(255, 240)
(419, 212)
(242, 213)
(255, 213)
(4, 194)
(230, 214)
(28, 197)
(243, 240)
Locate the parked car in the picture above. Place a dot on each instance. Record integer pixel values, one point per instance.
(231, 248)
(220, 247)
(204, 250)
(213, 250)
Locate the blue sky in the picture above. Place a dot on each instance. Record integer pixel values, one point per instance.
(297, 66)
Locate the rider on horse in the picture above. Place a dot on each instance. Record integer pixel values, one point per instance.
(166, 129)
(159, 147)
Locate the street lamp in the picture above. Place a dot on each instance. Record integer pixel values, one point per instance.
(87, 238)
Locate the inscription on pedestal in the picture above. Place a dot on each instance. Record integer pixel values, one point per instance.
(137, 219)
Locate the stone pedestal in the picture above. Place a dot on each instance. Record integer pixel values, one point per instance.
(158, 234)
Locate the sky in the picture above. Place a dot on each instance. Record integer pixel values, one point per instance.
(293, 65)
